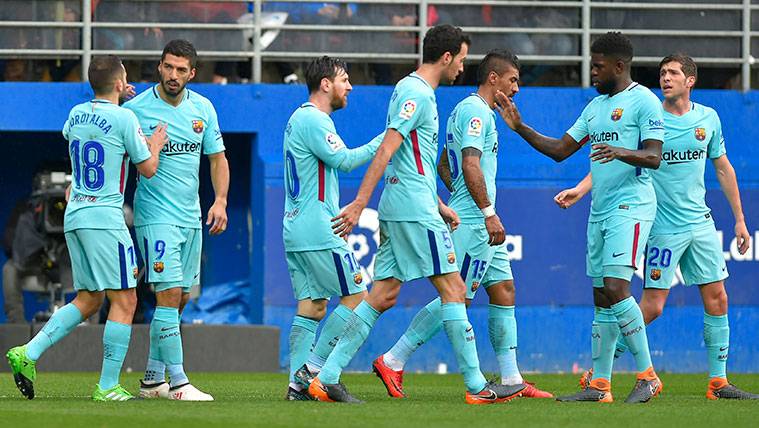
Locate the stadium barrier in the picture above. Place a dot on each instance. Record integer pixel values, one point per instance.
(244, 273)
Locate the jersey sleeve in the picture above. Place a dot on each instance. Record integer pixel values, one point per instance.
(651, 119)
(326, 145)
(407, 111)
(579, 131)
(470, 122)
(716, 147)
(134, 140)
(212, 139)
(66, 129)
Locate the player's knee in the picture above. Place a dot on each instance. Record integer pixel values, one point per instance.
(171, 298)
(716, 302)
(353, 300)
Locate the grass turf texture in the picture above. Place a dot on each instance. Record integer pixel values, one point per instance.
(434, 401)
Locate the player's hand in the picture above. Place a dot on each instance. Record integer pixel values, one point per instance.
(495, 229)
(159, 137)
(567, 198)
(449, 216)
(508, 110)
(742, 236)
(128, 93)
(217, 217)
(347, 219)
(67, 194)
(605, 153)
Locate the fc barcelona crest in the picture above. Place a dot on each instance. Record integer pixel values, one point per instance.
(475, 286)
(451, 258)
(357, 278)
(700, 134)
(158, 267)
(197, 126)
(616, 114)
(655, 274)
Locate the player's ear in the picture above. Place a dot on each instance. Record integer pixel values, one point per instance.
(447, 58)
(690, 82)
(192, 74)
(325, 84)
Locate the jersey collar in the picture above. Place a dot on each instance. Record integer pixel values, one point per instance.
(100, 101)
(480, 97)
(186, 94)
(413, 74)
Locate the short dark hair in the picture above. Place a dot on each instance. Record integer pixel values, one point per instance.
(686, 63)
(441, 39)
(181, 48)
(102, 72)
(613, 44)
(320, 68)
(496, 60)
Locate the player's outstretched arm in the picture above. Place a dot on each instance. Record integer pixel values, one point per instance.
(557, 149)
(444, 170)
(567, 198)
(475, 183)
(647, 157)
(729, 184)
(148, 167)
(217, 214)
(348, 217)
(354, 158)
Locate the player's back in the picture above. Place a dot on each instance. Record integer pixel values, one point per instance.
(623, 120)
(312, 189)
(679, 182)
(98, 133)
(171, 195)
(410, 192)
(471, 125)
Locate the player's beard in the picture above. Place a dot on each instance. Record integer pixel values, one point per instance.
(338, 102)
(605, 88)
(168, 90)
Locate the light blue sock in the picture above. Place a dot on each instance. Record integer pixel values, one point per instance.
(115, 345)
(155, 372)
(56, 328)
(633, 329)
(356, 331)
(621, 347)
(461, 335)
(302, 335)
(604, 338)
(502, 329)
(717, 341)
(166, 320)
(426, 324)
(329, 336)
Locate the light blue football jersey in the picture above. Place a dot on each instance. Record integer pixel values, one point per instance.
(410, 192)
(623, 120)
(102, 138)
(171, 195)
(471, 124)
(679, 181)
(313, 153)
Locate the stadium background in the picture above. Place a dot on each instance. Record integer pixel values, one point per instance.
(244, 274)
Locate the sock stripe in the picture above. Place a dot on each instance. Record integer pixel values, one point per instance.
(433, 251)
(340, 274)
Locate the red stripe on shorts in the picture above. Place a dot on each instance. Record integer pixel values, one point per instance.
(635, 245)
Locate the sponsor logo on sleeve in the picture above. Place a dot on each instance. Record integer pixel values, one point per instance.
(475, 127)
(333, 141)
(407, 109)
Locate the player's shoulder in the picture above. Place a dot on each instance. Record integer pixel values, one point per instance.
(705, 111)
(473, 106)
(643, 94)
(199, 101)
(414, 86)
(141, 98)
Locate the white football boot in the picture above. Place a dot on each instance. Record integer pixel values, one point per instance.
(154, 390)
(187, 392)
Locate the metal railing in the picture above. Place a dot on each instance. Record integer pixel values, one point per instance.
(269, 31)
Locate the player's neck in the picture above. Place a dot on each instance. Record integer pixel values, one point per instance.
(677, 106)
(430, 73)
(172, 100)
(487, 95)
(321, 103)
(112, 98)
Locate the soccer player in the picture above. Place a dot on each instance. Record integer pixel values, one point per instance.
(683, 233)
(167, 211)
(320, 263)
(625, 128)
(414, 239)
(468, 168)
(101, 137)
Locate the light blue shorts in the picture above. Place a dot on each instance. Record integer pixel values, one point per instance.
(171, 254)
(615, 246)
(413, 250)
(698, 252)
(102, 259)
(480, 264)
(322, 274)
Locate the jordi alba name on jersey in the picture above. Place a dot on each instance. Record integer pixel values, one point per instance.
(171, 195)
(679, 181)
(410, 192)
(623, 120)
(102, 138)
(312, 150)
(471, 124)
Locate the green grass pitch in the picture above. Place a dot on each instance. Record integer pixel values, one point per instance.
(434, 402)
